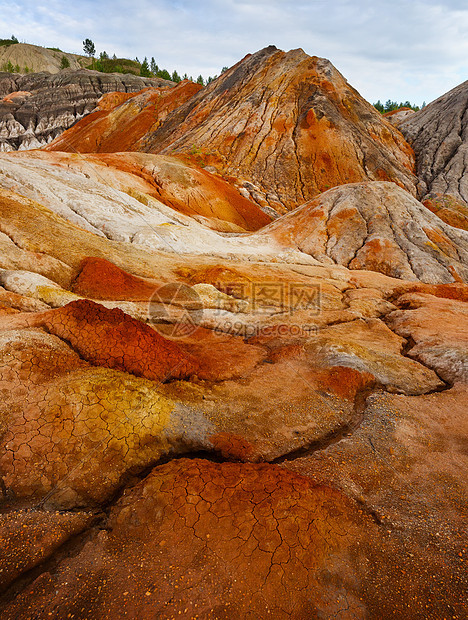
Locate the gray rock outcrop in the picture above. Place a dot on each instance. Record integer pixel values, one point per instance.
(439, 136)
(36, 108)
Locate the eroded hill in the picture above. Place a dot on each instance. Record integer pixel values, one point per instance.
(208, 414)
(283, 126)
(35, 108)
(439, 136)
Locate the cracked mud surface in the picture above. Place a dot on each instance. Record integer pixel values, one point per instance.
(334, 528)
(210, 540)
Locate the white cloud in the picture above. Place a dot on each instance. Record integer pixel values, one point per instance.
(400, 50)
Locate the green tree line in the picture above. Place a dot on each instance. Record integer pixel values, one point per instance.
(11, 41)
(146, 68)
(390, 106)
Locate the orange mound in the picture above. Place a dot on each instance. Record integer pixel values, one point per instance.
(12, 96)
(109, 101)
(112, 339)
(289, 124)
(457, 291)
(242, 540)
(100, 279)
(282, 126)
(393, 112)
(450, 209)
(190, 190)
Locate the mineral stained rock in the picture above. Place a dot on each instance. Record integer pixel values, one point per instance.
(37, 107)
(136, 186)
(190, 534)
(289, 124)
(448, 208)
(372, 225)
(121, 120)
(379, 227)
(395, 117)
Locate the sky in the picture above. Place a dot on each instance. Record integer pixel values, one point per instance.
(395, 49)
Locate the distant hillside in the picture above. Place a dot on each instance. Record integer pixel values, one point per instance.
(116, 65)
(26, 58)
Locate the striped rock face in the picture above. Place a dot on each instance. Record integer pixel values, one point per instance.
(37, 107)
(439, 135)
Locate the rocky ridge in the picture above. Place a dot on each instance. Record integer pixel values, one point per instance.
(439, 135)
(36, 108)
(282, 126)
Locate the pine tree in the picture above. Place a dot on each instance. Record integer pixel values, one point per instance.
(144, 69)
(378, 106)
(153, 66)
(175, 76)
(89, 48)
(200, 80)
(164, 74)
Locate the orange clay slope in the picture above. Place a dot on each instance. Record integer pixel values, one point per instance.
(122, 119)
(290, 124)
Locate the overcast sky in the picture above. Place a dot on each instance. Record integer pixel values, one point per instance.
(393, 49)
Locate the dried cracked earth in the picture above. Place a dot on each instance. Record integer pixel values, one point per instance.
(209, 411)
